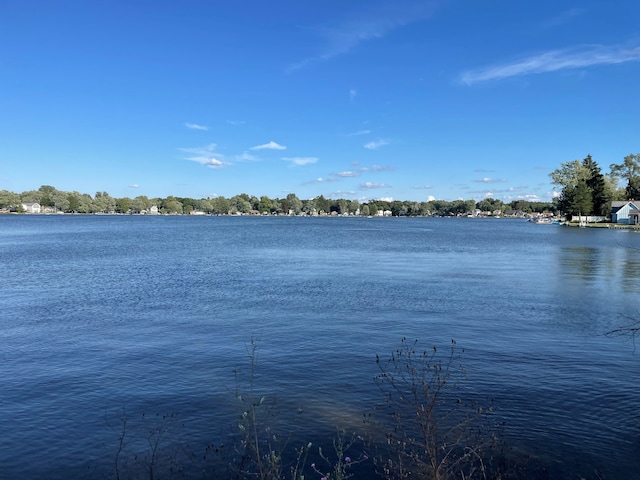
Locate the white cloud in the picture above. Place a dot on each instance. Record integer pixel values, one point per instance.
(491, 180)
(134, 185)
(430, 198)
(532, 197)
(374, 22)
(370, 185)
(269, 146)
(206, 156)
(555, 194)
(347, 174)
(376, 144)
(578, 57)
(342, 193)
(386, 199)
(195, 126)
(236, 122)
(300, 161)
(215, 163)
(423, 187)
(317, 180)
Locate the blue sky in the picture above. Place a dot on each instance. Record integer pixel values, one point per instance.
(401, 99)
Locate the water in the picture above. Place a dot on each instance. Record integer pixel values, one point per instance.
(152, 314)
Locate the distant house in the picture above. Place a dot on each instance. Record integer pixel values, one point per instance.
(620, 211)
(31, 207)
(514, 213)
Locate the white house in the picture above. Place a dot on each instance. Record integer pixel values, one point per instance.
(620, 211)
(31, 207)
(634, 217)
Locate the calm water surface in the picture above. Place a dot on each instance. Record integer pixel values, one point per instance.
(152, 314)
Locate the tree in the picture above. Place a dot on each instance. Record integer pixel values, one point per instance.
(597, 184)
(629, 170)
(74, 201)
(140, 203)
(123, 205)
(103, 202)
(238, 204)
(576, 200)
(322, 204)
(292, 204)
(31, 196)
(585, 190)
(569, 174)
(171, 205)
(265, 204)
(60, 200)
(9, 199)
(220, 205)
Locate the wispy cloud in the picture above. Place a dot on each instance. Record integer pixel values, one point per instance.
(342, 193)
(246, 157)
(563, 18)
(236, 122)
(300, 161)
(376, 144)
(555, 60)
(353, 93)
(376, 21)
(269, 146)
(423, 187)
(195, 126)
(371, 185)
(315, 180)
(383, 168)
(134, 185)
(206, 156)
(491, 180)
(358, 133)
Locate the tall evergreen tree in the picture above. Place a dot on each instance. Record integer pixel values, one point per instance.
(596, 183)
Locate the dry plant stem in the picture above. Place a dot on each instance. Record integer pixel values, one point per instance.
(432, 437)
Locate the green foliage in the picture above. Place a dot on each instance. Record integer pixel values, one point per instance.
(9, 199)
(123, 205)
(584, 189)
(629, 169)
(102, 202)
(493, 204)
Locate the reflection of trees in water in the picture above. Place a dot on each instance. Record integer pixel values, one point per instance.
(599, 265)
(585, 263)
(631, 270)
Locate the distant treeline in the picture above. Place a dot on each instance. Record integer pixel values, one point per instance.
(52, 199)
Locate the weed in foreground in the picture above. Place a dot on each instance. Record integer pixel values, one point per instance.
(434, 434)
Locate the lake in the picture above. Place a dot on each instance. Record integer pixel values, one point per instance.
(109, 316)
